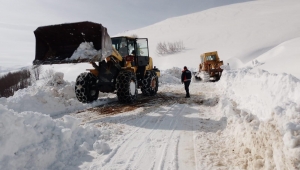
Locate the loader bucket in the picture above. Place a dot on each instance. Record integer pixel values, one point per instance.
(71, 43)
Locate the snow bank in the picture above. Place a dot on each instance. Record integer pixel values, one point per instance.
(170, 76)
(267, 126)
(262, 93)
(30, 140)
(54, 97)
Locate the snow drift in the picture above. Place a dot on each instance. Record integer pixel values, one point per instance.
(267, 125)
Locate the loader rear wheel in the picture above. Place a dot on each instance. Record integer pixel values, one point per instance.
(126, 87)
(150, 84)
(85, 88)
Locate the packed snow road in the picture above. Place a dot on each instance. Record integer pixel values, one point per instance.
(166, 131)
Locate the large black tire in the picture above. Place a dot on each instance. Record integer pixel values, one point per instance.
(85, 88)
(218, 76)
(126, 87)
(150, 84)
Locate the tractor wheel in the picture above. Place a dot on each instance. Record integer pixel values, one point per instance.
(218, 76)
(150, 84)
(126, 87)
(85, 88)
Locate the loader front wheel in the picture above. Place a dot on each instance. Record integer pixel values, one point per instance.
(85, 88)
(126, 87)
(150, 84)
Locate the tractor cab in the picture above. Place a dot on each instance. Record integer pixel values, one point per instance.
(134, 51)
(135, 54)
(211, 56)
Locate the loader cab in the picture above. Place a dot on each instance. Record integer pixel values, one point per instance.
(210, 56)
(132, 49)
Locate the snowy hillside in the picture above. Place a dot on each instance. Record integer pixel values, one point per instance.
(239, 32)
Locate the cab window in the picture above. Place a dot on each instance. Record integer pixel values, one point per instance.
(142, 47)
(211, 57)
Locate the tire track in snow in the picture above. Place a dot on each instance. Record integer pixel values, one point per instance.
(163, 158)
(114, 151)
(182, 151)
(113, 156)
(175, 137)
(194, 145)
(147, 138)
(162, 134)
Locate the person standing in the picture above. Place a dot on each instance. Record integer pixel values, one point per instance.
(186, 79)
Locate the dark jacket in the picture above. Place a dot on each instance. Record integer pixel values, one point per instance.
(186, 75)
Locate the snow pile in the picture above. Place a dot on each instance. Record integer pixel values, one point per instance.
(170, 76)
(175, 71)
(53, 98)
(85, 50)
(31, 140)
(57, 79)
(267, 126)
(263, 93)
(101, 147)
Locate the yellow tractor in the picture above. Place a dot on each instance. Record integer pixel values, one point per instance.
(210, 67)
(121, 64)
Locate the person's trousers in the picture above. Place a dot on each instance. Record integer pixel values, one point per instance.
(186, 87)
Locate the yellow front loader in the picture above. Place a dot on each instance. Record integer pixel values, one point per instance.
(210, 67)
(121, 64)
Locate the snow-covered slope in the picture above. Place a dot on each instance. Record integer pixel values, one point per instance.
(283, 58)
(239, 32)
